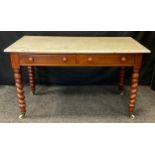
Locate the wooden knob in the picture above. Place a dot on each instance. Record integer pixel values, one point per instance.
(64, 59)
(123, 59)
(31, 59)
(90, 59)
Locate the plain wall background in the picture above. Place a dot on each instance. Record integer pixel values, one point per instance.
(77, 75)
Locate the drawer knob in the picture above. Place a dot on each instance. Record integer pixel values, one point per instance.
(31, 59)
(123, 59)
(64, 59)
(90, 59)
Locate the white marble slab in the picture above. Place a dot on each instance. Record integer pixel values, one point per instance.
(56, 45)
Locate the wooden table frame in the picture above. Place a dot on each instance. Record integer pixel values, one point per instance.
(101, 60)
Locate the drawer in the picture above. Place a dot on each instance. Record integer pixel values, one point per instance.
(107, 60)
(47, 60)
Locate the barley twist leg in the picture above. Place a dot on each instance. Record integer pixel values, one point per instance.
(133, 92)
(20, 92)
(121, 80)
(31, 78)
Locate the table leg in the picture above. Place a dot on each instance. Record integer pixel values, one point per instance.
(20, 92)
(133, 92)
(31, 78)
(121, 80)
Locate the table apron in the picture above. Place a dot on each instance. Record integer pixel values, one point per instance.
(77, 59)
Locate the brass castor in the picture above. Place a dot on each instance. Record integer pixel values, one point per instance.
(122, 93)
(22, 115)
(132, 116)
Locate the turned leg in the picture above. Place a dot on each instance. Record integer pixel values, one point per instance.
(121, 80)
(133, 92)
(31, 78)
(20, 92)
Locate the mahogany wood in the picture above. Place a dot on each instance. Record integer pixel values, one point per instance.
(105, 59)
(134, 87)
(31, 78)
(120, 60)
(76, 59)
(19, 89)
(47, 60)
(121, 79)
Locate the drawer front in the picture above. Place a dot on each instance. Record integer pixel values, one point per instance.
(47, 60)
(107, 60)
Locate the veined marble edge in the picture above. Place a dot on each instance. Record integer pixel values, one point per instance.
(148, 51)
(77, 52)
(7, 50)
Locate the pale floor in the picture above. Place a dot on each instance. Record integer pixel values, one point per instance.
(82, 104)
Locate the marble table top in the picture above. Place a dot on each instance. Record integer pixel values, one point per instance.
(75, 45)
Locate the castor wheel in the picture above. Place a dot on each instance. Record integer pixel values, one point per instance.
(122, 93)
(22, 115)
(132, 116)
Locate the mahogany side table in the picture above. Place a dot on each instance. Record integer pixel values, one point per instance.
(33, 51)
